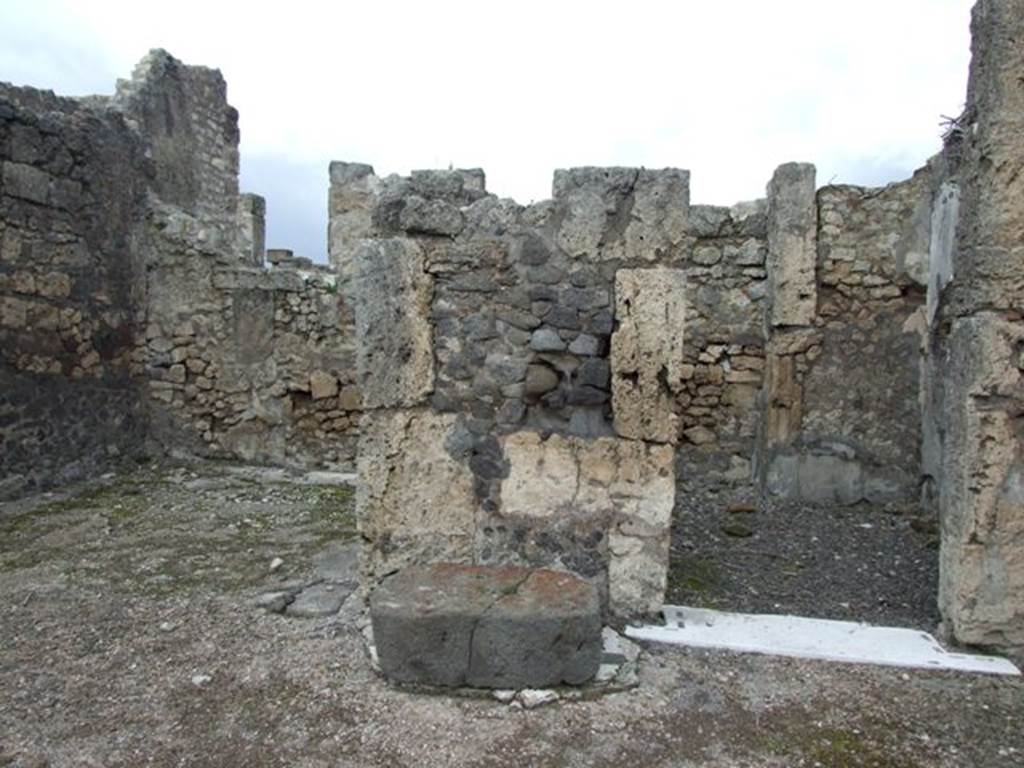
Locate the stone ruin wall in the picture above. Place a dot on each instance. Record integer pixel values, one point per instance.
(136, 313)
(975, 399)
(538, 379)
(841, 418)
(537, 376)
(72, 180)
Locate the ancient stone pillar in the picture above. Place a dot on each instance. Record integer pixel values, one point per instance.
(981, 334)
(252, 229)
(353, 196)
(792, 237)
(790, 311)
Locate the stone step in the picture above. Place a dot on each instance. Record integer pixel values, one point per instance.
(486, 626)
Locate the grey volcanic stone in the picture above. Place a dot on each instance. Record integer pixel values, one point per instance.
(585, 344)
(320, 600)
(540, 379)
(26, 182)
(533, 251)
(433, 217)
(488, 627)
(594, 372)
(546, 340)
(563, 317)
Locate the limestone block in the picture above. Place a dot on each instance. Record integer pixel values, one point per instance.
(792, 245)
(390, 295)
(252, 228)
(989, 257)
(490, 627)
(415, 501)
(624, 489)
(945, 214)
(647, 352)
(659, 217)
(542, 477)
(981, 493)
(431, 217)
(590, 197)
(783, 401)
(354, 195)
(637, 573)
(622, 213)
(322, 385)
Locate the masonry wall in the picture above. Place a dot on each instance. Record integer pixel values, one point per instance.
(511, 345)
(72, 184)
(247, 363)
(136, 312)
(489, 351)
(242, 360)
(976, 384)
(842, 418)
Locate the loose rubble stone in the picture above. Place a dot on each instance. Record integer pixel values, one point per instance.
(319, 600)
(531, 698)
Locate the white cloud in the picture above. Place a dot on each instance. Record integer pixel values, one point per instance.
(728, 90)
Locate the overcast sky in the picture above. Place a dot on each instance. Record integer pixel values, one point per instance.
(728, 89)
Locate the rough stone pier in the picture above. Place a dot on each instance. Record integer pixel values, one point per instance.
(488, 434)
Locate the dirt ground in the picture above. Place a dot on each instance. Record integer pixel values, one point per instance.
(868, 562)
(129, 636)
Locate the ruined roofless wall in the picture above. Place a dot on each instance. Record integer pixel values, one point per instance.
(841, 419)
(72, 186)
(530, 372)
(135, 311)
(242, 361)
(976, 373)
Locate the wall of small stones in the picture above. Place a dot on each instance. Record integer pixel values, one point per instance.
(543, 362)
(244, 356)
(136, 310)
(748, 341)
(72, 180)
(253, 364)
(843, 421)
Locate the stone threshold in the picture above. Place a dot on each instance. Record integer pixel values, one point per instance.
(824, 639)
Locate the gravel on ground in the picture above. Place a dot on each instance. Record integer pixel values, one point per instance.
(132, 634)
